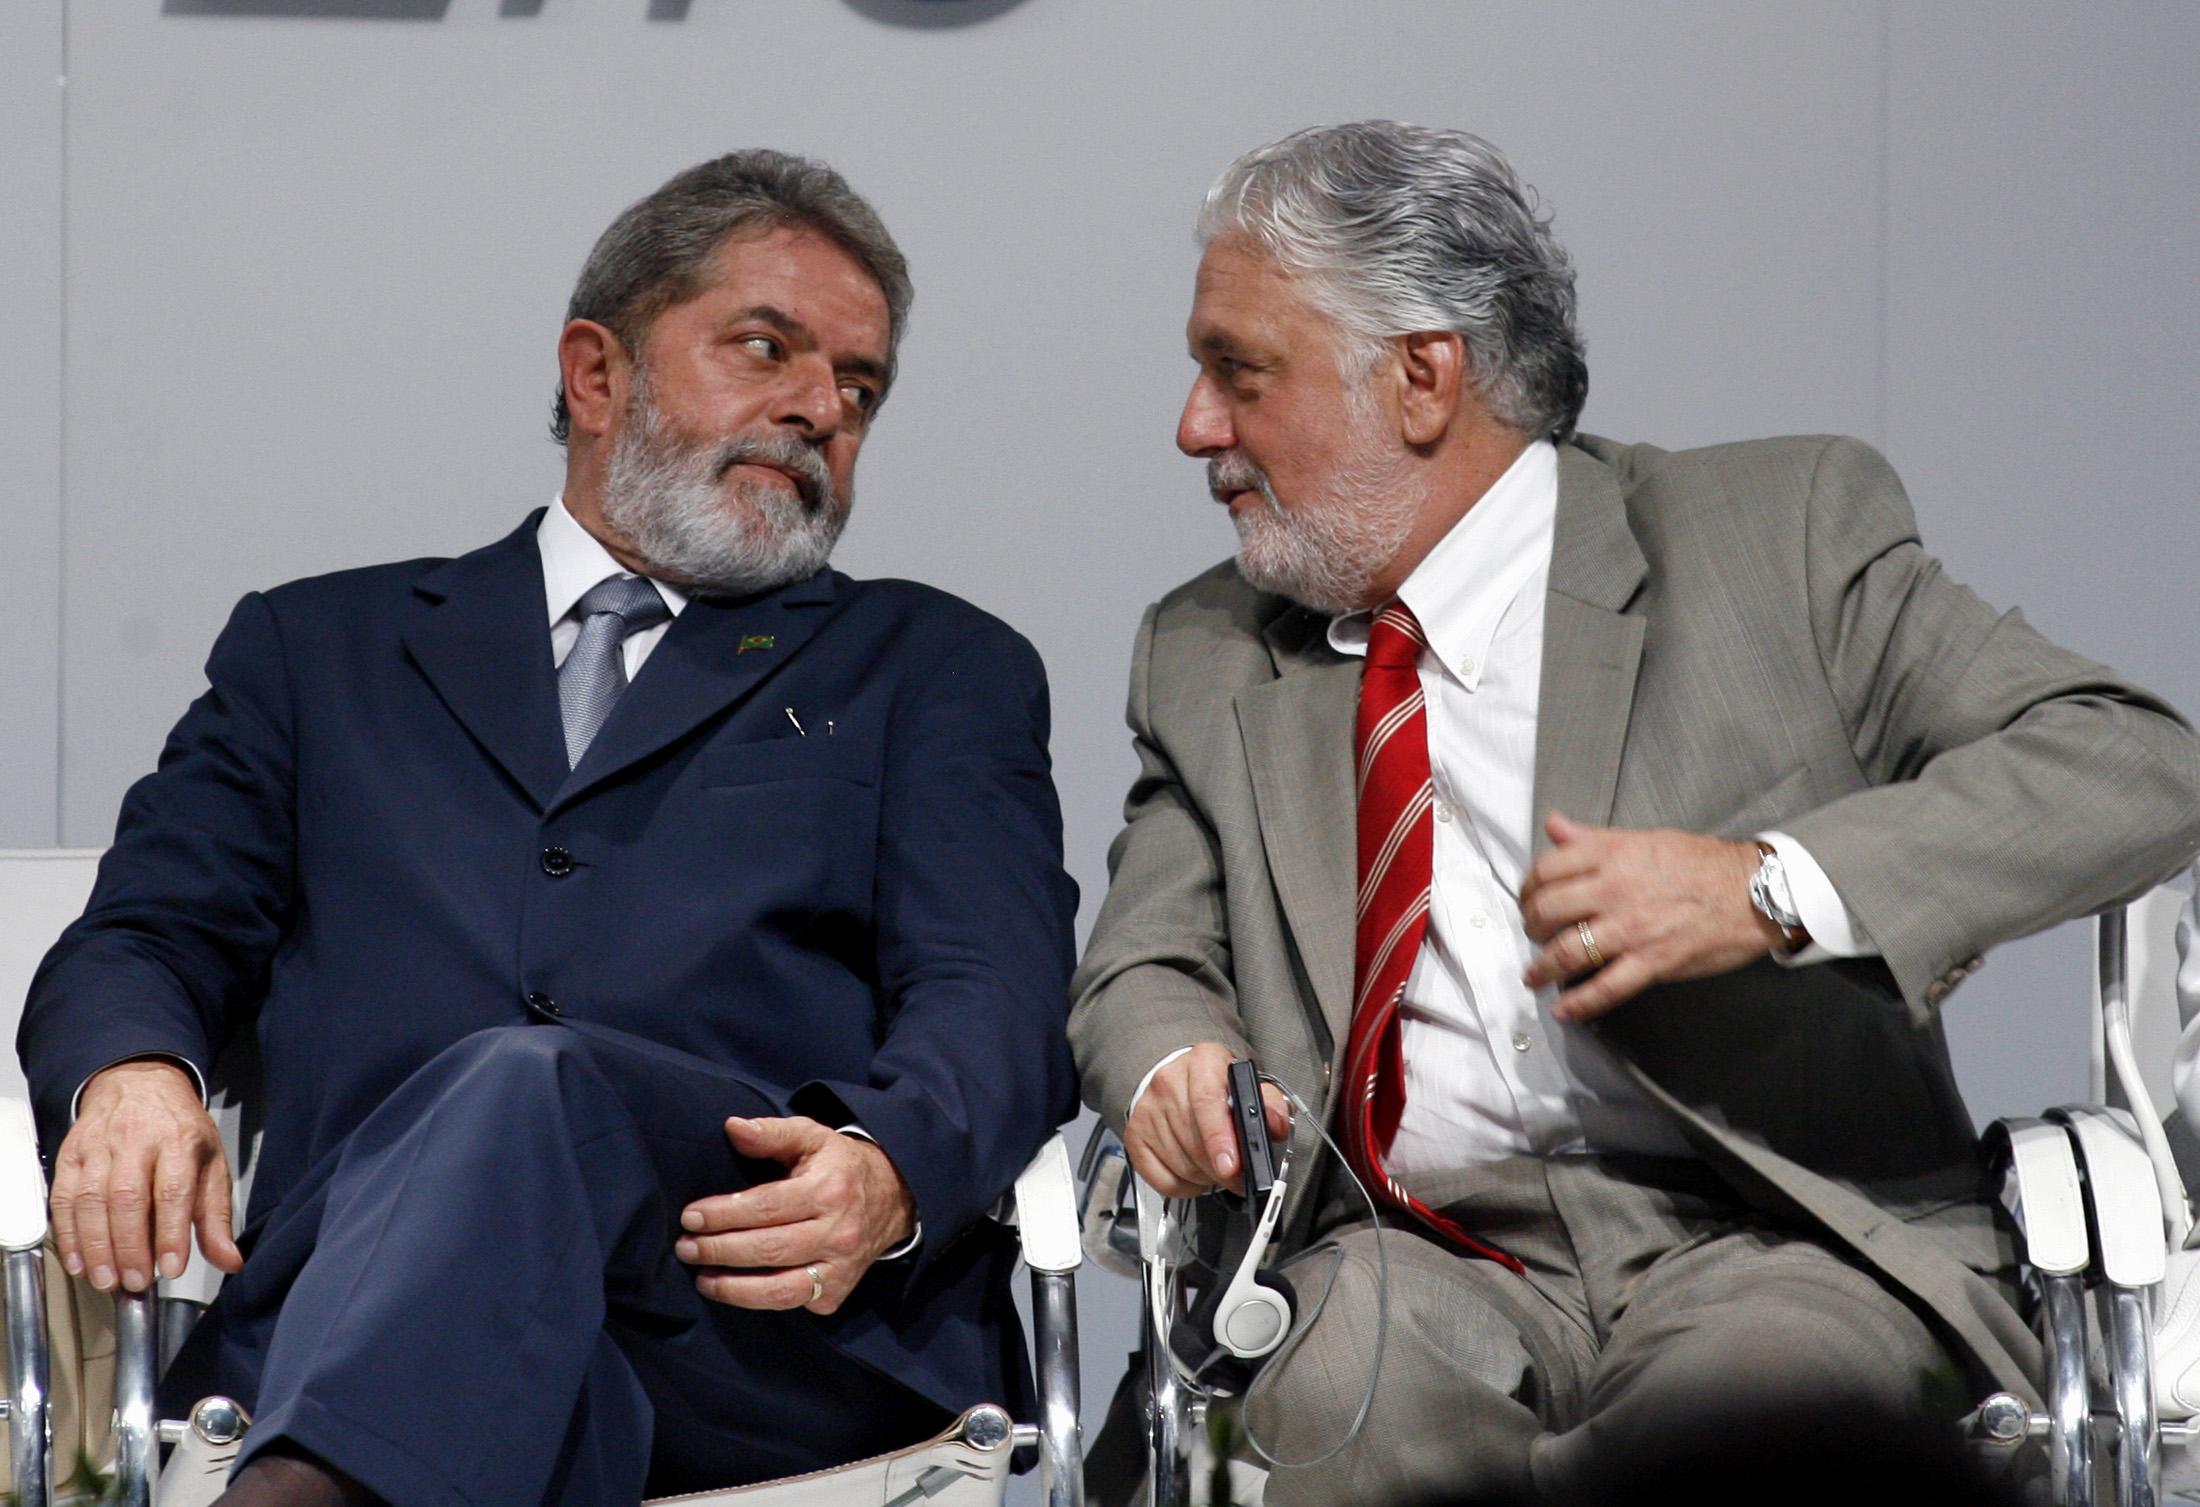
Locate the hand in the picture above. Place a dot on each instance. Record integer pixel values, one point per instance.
(839, 1208)
(1179, 1137)
(140, 1167)
(1662, 906)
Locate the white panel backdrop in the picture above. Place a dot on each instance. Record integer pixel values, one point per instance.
(282, 281)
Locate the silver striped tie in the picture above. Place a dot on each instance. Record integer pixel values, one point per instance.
(593, 675)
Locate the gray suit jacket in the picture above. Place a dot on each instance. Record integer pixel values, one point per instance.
(1737, 638)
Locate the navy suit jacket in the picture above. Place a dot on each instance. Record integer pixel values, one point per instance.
(363, 843)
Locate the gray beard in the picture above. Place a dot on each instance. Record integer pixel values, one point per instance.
(667, 496)
(1326, 553)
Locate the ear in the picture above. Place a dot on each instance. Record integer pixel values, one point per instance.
(1432, 368)
(596, 371)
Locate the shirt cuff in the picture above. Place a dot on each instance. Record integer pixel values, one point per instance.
(1834, 930)
(185, 1063)
(1140, 1091)
(916, 1235)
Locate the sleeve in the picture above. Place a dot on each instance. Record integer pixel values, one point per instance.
(973, 940)
(192, 898)
(2014, 784)
(1156, 976)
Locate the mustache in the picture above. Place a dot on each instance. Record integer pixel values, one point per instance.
(1232, 472)
(782, 452)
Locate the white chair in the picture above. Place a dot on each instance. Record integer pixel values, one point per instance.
(2104, 1214)
(967, 1465)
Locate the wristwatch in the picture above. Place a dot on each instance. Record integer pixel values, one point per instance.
(1769, 893)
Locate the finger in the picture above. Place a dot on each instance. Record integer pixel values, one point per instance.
(1160, 1159)
(216, 1213)
(89, 1208)
(1564, 830)
(1277, 1109)
(1567, 956)
(1558, 904)
(789, 1201)
(1214, 1136)
(775, 1249)
(785, 1140)
(130, 1218)
(770, 1291)
(1611, 987)
(61, 1208)
(175, 1181)
(1558, 864)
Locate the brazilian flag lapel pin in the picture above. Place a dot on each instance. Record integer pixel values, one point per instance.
(756, 643)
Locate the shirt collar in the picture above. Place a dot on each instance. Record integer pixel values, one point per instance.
(1462, 588)
(574, 560)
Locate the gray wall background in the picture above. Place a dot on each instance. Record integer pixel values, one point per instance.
(281, 280)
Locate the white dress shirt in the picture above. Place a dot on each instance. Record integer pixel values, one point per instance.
(573, 562)
(1489, 1073)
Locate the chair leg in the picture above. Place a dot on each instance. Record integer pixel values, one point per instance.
(2069, 1403)
(1168, 1413)
(137, 1423)
(1061, 1442)
(2131, 1378)
(30, 1427)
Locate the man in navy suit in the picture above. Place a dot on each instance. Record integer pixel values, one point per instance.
(656, 942)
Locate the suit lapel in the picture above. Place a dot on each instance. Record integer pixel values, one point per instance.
(1298, 741)
(484, 644)
(713, 654)
(1591, 648)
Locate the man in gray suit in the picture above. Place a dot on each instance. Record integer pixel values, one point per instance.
(1591, 833)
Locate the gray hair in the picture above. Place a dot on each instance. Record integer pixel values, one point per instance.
(1398, 229)
(658, 252)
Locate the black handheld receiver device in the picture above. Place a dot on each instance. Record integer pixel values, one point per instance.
(1256, 1152)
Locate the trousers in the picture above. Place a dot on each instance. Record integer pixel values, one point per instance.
(1653, 1304)
(473, 1300)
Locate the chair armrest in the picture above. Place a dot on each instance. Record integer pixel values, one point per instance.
(22, 1180)
(2120, 1186)
(1046, 1211)
(2043, 1195)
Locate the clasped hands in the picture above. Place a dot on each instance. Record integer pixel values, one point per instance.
(144, 1165)
(1661, 906)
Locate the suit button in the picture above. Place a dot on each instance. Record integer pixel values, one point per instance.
(543, 1003)
(557, 862)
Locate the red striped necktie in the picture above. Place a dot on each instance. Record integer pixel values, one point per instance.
(1397, 842)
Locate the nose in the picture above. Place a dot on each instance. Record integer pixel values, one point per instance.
(1204, 429)
(808, 399)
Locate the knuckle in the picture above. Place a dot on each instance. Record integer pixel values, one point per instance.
(126, 1199)
(845, 1241)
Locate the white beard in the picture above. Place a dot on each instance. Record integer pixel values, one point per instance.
(1324, 553)
(667, 495)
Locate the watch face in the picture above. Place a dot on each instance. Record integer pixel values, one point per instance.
(1768, 891)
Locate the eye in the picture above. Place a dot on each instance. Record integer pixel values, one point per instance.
(766, 346)
(859, 397)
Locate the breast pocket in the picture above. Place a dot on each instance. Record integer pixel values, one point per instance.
(800, 816)
(733, 766)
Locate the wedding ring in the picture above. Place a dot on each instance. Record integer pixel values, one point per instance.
(817, 1282)
(1589, 944)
